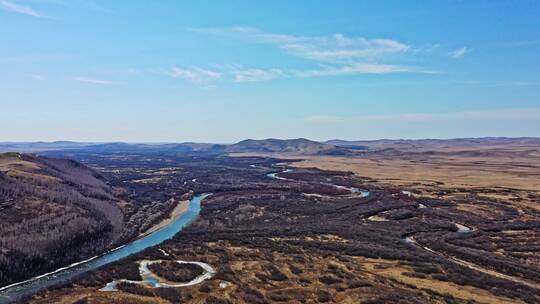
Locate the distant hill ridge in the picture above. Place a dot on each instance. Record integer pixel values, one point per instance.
(301, 146)
(298, 146)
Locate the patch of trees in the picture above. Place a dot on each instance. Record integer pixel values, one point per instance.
(176, 272)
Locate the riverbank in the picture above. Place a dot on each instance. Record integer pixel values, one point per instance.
(180, 209)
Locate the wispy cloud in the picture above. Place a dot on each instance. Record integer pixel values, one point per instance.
(240, 74)
(498, 114)
(253, 75)
(361, 68)
(230, 72)
(333, 55)
(331, 48)
(458, 53)
(21, 9)
(195, 74)
(92, 80)
(334, 48)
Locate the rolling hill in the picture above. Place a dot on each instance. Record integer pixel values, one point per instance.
(296, 146)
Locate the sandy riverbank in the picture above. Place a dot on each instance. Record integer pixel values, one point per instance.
(180, 209)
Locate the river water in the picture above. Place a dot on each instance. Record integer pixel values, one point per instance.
(28, 287)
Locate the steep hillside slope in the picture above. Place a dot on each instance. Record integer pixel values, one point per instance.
(48, 206)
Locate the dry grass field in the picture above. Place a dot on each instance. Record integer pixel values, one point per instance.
(451, 170)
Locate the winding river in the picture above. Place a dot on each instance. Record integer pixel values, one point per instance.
(352, 190)
(64, 274)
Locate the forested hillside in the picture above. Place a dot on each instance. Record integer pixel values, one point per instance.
(48, 205)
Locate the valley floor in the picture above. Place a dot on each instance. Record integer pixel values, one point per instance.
(298, 239)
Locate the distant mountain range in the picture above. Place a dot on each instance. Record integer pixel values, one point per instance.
(300, 146)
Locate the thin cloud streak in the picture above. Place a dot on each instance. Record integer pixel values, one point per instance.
(239, 74)
(195, 74)
(92, 81)
(254, 75)
(456, 54)
(521, 114)
(22, 9)
(361, 68)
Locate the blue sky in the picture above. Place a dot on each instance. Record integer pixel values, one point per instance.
(221, 71)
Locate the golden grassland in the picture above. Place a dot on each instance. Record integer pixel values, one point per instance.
(452, 171)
